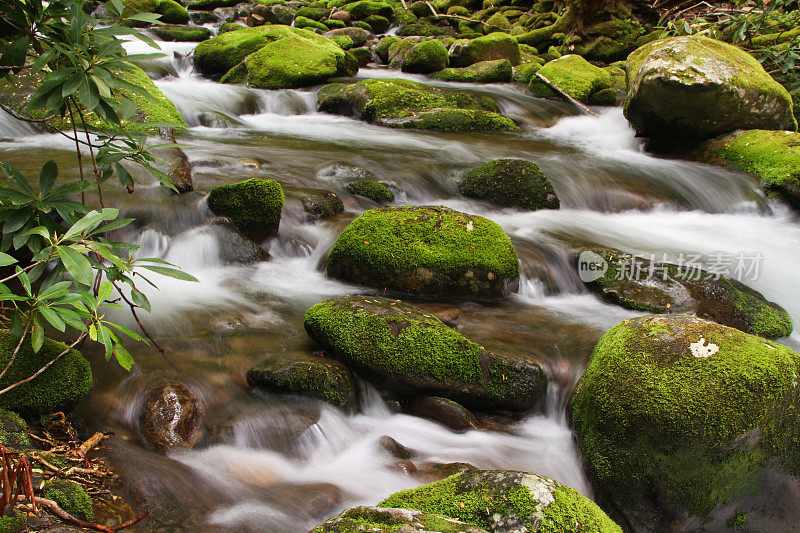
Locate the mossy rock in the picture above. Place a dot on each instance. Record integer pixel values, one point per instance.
(611, 40)
(169, 32)
(525, 72)
(59, 388)
(367, 8)
(697, 87)
(498, 21)
(426, 250)
(503, 500)
(496, 45)
(382, 48)
(71, 497)
(304, 22)
(678, 414)
(321, 204)
(313, 13)
(359, 35)
(604, 97)
(639, 284)
(217, 56)
(344, 42)
(378, 23)
(13, 431)
(398, 103)
(333, 24)
(323, 378)
(573, 75)
(172, 12)
(398, 50)
(253, 205)
(133, 7)
(510, 183)
(363, 56)
(402, 349)
(230, 26)
(386, 520)
(210, 5)
(375, 191)
(772, 156)
(426, 57)
(499, 70)
(425, 29)
(16, 521)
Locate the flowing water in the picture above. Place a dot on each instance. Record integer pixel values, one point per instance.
(270, 463)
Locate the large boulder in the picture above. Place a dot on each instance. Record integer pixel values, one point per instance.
(426, 57)
(172, 12)
(496, 45)
(402, 349)
(644, 285)
(426, 250)
(772, 156)
(677, 416)
(170, 417)
(254, 206)
(499, 70)
(573, 75)
(59, 388)
(388, 520)
(501, 501)
(398, 103)
(510, 183)
(697, 87)
(359, 36)
(366, 8)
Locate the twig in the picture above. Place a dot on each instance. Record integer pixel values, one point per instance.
(23, 118)
(564, 95)
(61, 513)
(133, 307)
(77, 148)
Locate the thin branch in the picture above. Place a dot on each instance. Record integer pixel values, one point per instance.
(133, 307)
(26, 119)
(77, 148)
(45, 367)
(14, 275)
(15, 352)
(91, 152)
(61, 513)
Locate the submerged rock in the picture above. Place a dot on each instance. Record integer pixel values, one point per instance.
(402, 349)
(501, 501)
(444, 411)
(170, 417)
(253, 205)
(233, 247)
(573, 75)
(697, 87)
(426, 250)
(387, 520)
(398, 103)
(636, 283)
(375, 191)
(510, 183)
(322, 204)
(677, 415)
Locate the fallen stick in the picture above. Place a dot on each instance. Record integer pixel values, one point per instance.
(61, 513)
(91, 442)
(565, 96)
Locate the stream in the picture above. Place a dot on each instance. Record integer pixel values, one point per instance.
(280, 460)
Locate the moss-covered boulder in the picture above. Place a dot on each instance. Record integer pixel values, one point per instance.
(697, 87)
(510, 183)
(172, 12)
(387, 520)
(378, 23)
(426, 250)
(398, 103)
(132, 7)
(402, 349)
(359, 35)
(525, 72)
(374, 190)
(772, 156)
(253, 205)
(640, 284)
(496, 45)
(321, 204)
(71, 497)
(503, 500)
(315, 376)
(426, 57)
(499, 70)
(171, 32)
(679, 415)
(13, 431)
(573, 75)
(59, 388)
(365, 8)
(382, 48)
(610, 40)
(305, 22)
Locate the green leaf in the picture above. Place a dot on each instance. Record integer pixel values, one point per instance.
(90, 220)
(17, 220)
(16, 178)
(140, 300)
(47, 177)
(6, 260)
(105, 291)
(129, 333)
(144, 17)
(14, 53)
(57, 290)
(37, 335)
(170, 272)
(53, 318)
(76, 264)
(111, 226)
(123, 357)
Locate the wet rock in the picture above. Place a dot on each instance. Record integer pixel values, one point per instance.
(670, 402)
(404, 350)
(346, 173)
(310, 500)
(374, 190)
(233, 247)
(71, 497)
(499, 70)
(444, 411)
(697, 87)
(170, 32)
(510, 183)
(426, 250)
(322, 205)
(497, 45)
(13, 431)
(385, 520)
(180, 172)
(254, 206)
(396, 449)
(344, 16)
(637, 283)
(502, 500)
(430, 471)
(573, 75)
(170, 417)
(425, 57)
(309, 375)
(359, 35)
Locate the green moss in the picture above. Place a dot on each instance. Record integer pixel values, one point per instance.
(344, 41)
(218, 55)
(499, 70)
(313, 13)
(425, 57)
(209, 5)
(498, 21)
(71, 497)
(325, 379)
(371, 189)
(424, 29)
(737, 521)
(604, 97)
(363, 519)
(489, 498)
(459, 120)
(303, 22)
(13, 523)
(650, 414)
(59, 388)
(496, 45)
(384, 243)
(378, 23)
(334, 24)
(362, 54)
(132, 7)
(525, 72)
(13, 430)
(573, 75)
(366, 8)
(230, 26)
(172, 12)
(167, 32)
(510, 182)
(254, 206)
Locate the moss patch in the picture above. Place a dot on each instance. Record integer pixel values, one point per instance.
(71, 497)
(254, 206)
(510, 182)
(172, 12)
(364, 519)
(573, 75)
(425, 57)
(373, 190)
(13, 431)
(496, 45)
(168, 32)
(499, 70)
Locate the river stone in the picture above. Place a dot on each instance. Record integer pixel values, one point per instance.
(497, 45)
(573, 75)
(697, 87)
(499, 70)
(426, 250)
(310, 375)
(359, 35)
(501, 501)
(675, 289)
(322, 204)
(425, 57)
(402, 349)
(374, 190)
(399, 103)
(385, 520)
(395, 449)
(254, 206)
(432, 471)
(510, 183)
(170, 417)
(233, 247)
(672, 403)
(312, 500)
(444, 411)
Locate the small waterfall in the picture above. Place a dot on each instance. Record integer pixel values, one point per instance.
(11, 127)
